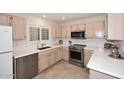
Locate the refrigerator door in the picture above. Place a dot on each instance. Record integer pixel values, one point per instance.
(5, 39)
(6, 66)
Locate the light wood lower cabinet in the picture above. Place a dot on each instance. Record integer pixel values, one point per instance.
(65, 53)
(48, 58)
(87, 55)
(43, 61)
(98, 75)
(52, 57)
(26, 67)
(58, 54)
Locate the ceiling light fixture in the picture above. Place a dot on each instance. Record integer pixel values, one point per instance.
(44, 16)
(63, 18)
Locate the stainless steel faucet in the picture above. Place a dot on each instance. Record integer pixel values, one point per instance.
(43, 45)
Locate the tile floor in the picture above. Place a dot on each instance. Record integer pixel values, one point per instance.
(64, 70)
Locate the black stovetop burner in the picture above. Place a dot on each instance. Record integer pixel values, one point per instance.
(79, 45)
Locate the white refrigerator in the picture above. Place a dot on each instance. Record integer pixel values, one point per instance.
(6, 58)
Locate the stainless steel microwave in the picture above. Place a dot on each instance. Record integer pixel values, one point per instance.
(78, 35)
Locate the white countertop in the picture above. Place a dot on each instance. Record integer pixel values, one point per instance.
(23, 53)
(100, 61)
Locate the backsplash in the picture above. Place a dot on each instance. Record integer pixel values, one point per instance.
(89, 42)
(24, 44)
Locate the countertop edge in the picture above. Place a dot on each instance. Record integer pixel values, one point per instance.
(35, 51)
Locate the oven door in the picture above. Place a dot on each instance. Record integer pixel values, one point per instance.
(75, 55)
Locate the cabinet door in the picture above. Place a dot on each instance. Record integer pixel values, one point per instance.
(74, 28)
(43, 61)
(32, 66)
(27, 67)
(68, 29)
(99, 29)
(87, 56)
(95, 30)
(89, 30)
(19, 28)
(58, 54)
(52, 57)
(65, 53)
(115, 26)
(64, 31)
(58, 31)
(81, 27)
(53, 31)
(21, 68)
(4, 20)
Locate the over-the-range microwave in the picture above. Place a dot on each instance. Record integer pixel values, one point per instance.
(78, 35)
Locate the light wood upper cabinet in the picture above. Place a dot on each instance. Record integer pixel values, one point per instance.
(4, 20)
(56, 31)
(81, 27)
(115, 26)
(95, 30)
(53, 31)
(65, 53)
(19, 27)
(78, 27)
(58, 54)
(64, 31)
(74, 28)
(89, 33)
(68, 29)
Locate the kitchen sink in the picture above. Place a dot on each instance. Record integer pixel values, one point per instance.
(44, 48)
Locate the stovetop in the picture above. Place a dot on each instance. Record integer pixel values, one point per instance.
(77, 46)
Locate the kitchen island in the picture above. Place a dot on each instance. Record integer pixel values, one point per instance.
(102, 66)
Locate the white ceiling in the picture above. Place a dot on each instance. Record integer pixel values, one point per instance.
(58, 16)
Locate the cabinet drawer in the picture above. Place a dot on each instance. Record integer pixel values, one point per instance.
(43, 53)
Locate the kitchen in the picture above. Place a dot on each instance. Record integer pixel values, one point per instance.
(46, 45)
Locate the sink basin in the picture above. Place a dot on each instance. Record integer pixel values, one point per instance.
(44, 48)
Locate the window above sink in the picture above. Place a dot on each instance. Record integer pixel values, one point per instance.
(37, 33)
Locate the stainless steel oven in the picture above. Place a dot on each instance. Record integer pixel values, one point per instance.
(76, 55)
